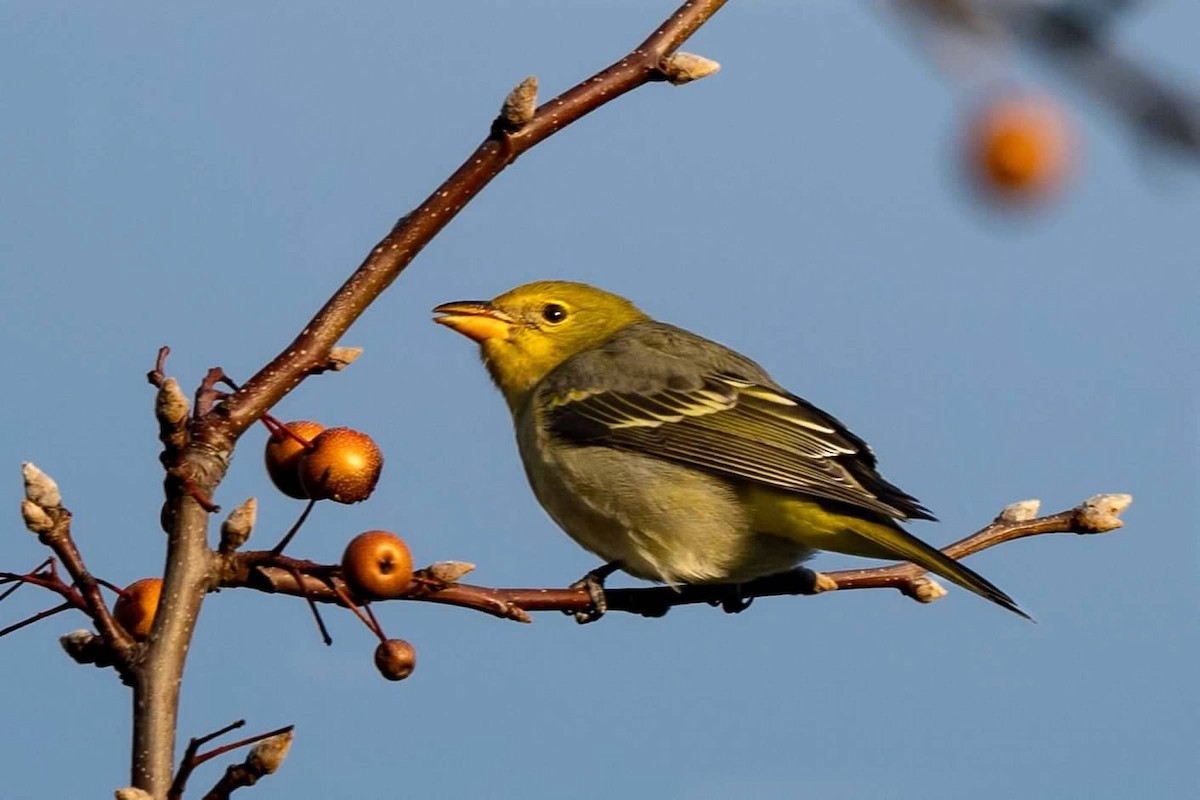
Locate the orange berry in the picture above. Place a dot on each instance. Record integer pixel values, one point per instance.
(377, 565)
(1019, 147)
(343, 465)
(137, 605)
(395, 659)
(283, 453)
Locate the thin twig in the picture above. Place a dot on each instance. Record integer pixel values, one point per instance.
(225, 748)
(20, 580)
(50, 612)
(208, 393)
(157, 375)
(263, 759)
(194, 491)
(312, 606)
(189, 762)
(59, 540)
(112, 587)
(416, 229)
(52, 583)
(370, 621)
(375, 626)
(287, 537)
(259, 570)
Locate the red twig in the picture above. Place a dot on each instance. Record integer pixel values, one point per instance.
(50, 612)
(192, 758)
(225, 748)
(367, 618)
(287, 537)
(86, 589)
(312, 606)
(158, 375)
(208, 393)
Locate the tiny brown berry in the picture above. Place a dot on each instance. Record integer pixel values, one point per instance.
(395, 659)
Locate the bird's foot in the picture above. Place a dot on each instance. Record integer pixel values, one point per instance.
(735, 602)
(593, 582)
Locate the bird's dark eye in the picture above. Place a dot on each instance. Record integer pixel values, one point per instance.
(553, 313)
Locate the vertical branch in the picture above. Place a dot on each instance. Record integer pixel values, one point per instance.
(159, 670)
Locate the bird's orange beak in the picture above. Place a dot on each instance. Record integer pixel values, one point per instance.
(475, 319)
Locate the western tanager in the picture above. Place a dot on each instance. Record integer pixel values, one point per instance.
(675, 457)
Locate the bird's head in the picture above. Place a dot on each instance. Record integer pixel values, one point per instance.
(526, 332)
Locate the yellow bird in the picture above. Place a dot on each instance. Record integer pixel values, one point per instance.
(675, 458)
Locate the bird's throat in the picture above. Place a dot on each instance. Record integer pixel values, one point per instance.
(514, 372)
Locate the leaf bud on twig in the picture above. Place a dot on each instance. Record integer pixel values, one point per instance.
(238, 526)
(681, 68)
(40, 488)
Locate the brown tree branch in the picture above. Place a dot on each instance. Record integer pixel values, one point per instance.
(264, 572)
(159, 671)
(59, 540)
(45, 515)
(503, 145)
(195, 471)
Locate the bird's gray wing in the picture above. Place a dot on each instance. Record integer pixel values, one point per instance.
(664, 392)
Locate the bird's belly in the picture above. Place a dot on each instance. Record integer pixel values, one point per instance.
(661, 521)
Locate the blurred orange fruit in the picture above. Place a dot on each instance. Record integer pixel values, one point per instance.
(1020, 147)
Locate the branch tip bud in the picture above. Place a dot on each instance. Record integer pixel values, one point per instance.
(132, 793)
(40, 488)
(927, 590)
(36, 519)
(1101, 513)
(520, 105)
(1020, 511)
(170, 404)
(1110, 503)
(75, 638)
(342, 357)
(823, 583)
(268, 755)
(680, 68)
(238, 526)
(85, 647)
(449, 571)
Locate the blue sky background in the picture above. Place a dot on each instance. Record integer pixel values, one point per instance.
(204, 177)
